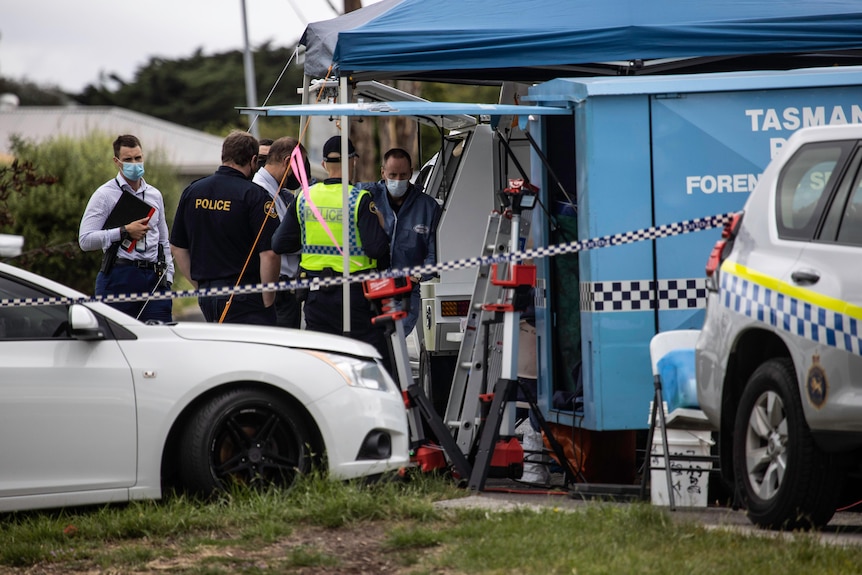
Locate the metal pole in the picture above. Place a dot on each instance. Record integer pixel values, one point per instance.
(345, 203)
(306, 82)
(250, 88)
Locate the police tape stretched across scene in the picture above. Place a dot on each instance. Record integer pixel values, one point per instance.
(643, 234)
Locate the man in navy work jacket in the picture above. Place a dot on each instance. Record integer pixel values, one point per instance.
(220, 220)
(149, 264)
(301, 229)
(410, 218)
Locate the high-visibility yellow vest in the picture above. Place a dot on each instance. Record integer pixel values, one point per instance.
(318, 251)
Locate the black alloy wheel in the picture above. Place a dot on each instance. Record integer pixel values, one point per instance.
(245, 437)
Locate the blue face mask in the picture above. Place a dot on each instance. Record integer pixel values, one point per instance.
(133, 171)
(397, 187)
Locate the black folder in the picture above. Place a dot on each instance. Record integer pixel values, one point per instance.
(128, 208)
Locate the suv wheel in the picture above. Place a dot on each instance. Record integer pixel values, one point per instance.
(785, 481)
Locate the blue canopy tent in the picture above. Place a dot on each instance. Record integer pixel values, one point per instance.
(320, 38)
(531, 40)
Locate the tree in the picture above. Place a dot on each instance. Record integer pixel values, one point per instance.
(203, 92)
(30, 94)
(440, 92)
(55, 179)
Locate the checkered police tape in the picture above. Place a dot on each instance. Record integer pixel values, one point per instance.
(644, 234)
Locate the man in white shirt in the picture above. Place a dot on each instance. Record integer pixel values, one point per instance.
(275, 179)
(147, 263)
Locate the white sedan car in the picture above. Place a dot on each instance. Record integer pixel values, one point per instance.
(98, 407)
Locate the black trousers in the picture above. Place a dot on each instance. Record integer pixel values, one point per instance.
(324, 311)
(131, 279)
(288, 310)
(244, 308)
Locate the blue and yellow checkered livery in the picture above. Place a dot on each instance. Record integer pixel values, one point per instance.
(799, 311)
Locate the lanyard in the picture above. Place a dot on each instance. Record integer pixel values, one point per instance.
(122, 189)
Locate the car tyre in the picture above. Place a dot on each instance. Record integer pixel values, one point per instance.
(784, 480)
(247, 437)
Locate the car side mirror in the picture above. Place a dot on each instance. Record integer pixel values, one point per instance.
(84, 324)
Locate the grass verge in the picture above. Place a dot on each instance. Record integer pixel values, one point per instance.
(325, 526)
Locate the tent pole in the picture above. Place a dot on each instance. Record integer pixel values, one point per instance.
(345, 204)
(306, 82)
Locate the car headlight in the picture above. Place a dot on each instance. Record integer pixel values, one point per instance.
(357, 372)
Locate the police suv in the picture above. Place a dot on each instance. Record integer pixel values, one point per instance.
(779, 359)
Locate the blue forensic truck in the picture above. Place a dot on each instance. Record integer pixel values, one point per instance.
(642, 152)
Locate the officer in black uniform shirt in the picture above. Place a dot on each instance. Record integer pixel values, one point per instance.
(369, 249)
(218, 223)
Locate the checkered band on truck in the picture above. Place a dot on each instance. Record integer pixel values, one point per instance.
(643, 295)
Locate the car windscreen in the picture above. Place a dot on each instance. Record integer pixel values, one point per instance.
(29, 321)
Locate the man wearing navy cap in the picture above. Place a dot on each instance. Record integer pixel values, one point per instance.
(311, 227)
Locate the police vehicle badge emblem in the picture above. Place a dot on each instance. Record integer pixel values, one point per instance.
(816, 383)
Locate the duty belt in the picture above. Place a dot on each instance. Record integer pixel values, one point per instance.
(142, 264)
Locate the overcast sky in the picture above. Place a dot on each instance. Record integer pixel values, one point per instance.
(69, 44)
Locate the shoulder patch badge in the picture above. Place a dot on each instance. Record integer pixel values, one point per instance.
(816, 383)
(372, 207)
(269, 209)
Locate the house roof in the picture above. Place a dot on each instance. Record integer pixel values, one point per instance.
(192, 152)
